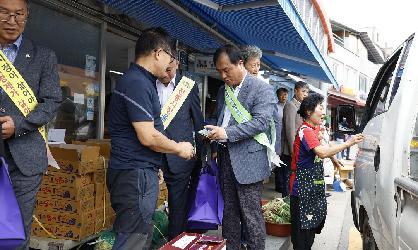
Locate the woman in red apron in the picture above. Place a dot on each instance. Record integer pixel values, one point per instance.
(308, 205)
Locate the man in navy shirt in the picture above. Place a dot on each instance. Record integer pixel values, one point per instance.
(137, 142)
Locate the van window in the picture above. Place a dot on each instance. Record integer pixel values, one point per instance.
(389, 83)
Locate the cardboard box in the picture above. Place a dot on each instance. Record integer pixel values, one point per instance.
(60, 205)
(70, 193)
(66, 179)
(78, 159)
(77, 167)
(102, 213)
(65, 218)
(104, 145)
(64, 232)
(72, 152)
(99, 176)
(101, 225)
(100, 201)
(193, 241)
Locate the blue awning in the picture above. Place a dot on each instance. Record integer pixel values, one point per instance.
(276, 29)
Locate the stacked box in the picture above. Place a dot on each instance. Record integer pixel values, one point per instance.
(65, 205)
(105, 216)
(163, 195)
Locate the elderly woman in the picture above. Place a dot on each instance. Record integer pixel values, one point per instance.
(308, 205)
(252, 56)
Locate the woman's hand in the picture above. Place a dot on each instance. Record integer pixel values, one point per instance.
(355, 139)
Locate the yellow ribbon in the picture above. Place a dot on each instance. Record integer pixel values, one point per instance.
(176, 100)
(18, 90)
(16, 87)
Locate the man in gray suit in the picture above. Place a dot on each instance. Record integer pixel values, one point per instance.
(291, 124)
(243, 161)
(180, 175)
(25, 149)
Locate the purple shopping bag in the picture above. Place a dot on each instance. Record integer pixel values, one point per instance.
(207, 207)
(12, 232)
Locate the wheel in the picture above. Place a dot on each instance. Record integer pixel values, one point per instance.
(368, 240)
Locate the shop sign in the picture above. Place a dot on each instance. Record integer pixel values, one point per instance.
(204, 65)
(348, 91)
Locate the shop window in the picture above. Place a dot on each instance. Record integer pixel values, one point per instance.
(76, 43)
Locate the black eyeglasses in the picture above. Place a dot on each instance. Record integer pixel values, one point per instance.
(19, 17)
(171, 55)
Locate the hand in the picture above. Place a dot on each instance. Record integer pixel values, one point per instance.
(355, 139)
(337, 164)
(216, 133)
(7, 126)
(185, 150)
(160, 176)
(214, 156)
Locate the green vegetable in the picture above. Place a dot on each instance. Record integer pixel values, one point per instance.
(277, 211)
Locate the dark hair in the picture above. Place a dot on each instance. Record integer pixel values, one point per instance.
(234, 54)
(152, 39)
(309, 104)
(281, 90)
(301, 84)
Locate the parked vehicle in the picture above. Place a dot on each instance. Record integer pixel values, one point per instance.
(385, 197)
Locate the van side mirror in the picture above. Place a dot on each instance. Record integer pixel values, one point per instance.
(346, 119)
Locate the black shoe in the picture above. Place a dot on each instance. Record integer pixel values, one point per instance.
(328, 194)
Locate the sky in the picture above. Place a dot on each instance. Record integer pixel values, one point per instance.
(395, 19)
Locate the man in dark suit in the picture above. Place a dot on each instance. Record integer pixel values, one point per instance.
(25, 149)
(180, 175)
(243, 160)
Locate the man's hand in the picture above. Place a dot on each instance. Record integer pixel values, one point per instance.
(185, 150)
(216, 133)
(7, 126)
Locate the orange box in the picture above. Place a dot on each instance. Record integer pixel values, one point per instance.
(78, 159)
(65, 218)
(104, 145)
(61, 205)
(70, 193)
(64, 232)
(66, 179)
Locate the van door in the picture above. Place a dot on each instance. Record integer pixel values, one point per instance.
(406, 187)
(374, 166)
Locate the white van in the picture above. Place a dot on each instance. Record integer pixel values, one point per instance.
(385, 199)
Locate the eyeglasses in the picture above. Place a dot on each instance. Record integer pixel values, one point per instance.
(171, 55)
(19, 17)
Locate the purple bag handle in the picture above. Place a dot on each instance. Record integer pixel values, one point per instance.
(1, 145)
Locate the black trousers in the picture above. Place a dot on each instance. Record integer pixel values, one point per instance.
(282, 176)
(302, 239)
(133, 194)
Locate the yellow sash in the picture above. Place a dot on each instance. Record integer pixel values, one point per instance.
(22, 96)
(176, 100)
(18, 90)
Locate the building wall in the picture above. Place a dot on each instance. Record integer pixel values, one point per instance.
(351, 68)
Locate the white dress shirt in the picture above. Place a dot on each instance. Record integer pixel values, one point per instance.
(227, 113)
(165, 92)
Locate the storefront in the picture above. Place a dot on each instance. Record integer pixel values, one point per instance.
(95, 43)
(93, 51)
